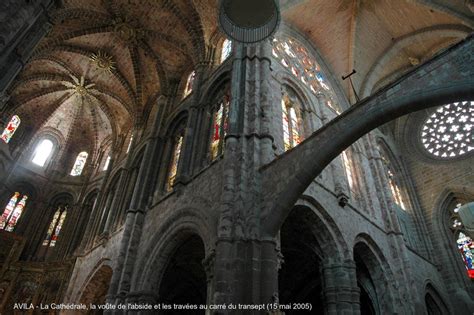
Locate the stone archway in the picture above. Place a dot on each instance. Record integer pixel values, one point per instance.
(434, 303)
(299, 279)
(311, 263)
(373, 282)
(184, 279)
(95, 290)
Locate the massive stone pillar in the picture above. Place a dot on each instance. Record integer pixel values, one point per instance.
(341, 294)
(246, 264)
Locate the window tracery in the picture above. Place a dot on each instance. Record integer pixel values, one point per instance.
(10, 129)
(447, 133)
(226, 49)
(174, 163)
(219, 128)
(291, 120)
(12, 212)
(55, 226)
(79, 164)
(42, 152)
(297, 60)
(464, 243)
(189, 84)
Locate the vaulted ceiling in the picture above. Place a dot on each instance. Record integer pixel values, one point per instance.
(105, 62)
(380, 39)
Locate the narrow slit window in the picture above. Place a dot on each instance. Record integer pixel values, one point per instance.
(176, 154)
(290, 122)
(220, 124)
(106, 164)
(189, 84)
(226, 49)
(129, 144)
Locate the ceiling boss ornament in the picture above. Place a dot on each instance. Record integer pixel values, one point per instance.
(128, 30)
(78, 86)
(103, 61)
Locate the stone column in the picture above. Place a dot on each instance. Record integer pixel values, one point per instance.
(341, 294)
(401, 262)
(95, 214)
(80, 227)
(124, 268)
(34, 228)
(246, 265)
(190, 138)
(113, 210)
(131, 181)
(208, 264)
(67, 232)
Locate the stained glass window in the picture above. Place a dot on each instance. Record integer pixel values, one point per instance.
(464, 243)
(447, 133)
(219, 127)
(297, 60)
(55, 226)
(189, 84)
(79, 164)
(226, 49)
(106, 164)
(466, 248)
(12, 126)
(290, 121)
(176, 154)
(42, 152)
(12, 212)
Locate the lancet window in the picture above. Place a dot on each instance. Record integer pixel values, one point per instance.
(219, 127)
(55, 226)
(464, 243)
(291, 121)
(174, 162)
(13, 211)
(79, 164)
(189, 84)
(106, 164)
(10, 129)
(226, 49)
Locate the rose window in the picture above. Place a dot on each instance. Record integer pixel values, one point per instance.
(447, 133)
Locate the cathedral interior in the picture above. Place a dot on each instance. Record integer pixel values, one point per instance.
(146, 158)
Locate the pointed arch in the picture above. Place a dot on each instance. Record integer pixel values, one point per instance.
(375, 276)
